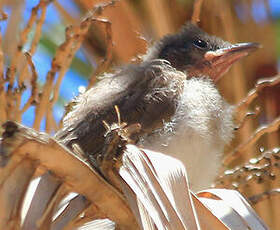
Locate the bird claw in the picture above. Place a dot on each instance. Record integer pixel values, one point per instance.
(116, 137)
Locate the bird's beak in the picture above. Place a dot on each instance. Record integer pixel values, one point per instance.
(221, 60)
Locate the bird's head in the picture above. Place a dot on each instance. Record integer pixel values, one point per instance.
(198, 53)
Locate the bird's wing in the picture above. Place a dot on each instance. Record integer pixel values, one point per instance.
(145, 94)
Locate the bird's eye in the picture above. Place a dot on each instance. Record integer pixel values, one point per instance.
(200, 44)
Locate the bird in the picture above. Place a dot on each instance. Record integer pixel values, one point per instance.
(172, 94)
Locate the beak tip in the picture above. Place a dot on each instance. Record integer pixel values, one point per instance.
(255, 45)
(243, 47)
(250, 46)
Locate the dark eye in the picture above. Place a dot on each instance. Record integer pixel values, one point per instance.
(200, 44)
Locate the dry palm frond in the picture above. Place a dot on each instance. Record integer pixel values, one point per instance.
(25, 153)
(159, 194)
(162, 199)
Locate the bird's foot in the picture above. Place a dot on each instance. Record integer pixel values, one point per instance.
(116, 137)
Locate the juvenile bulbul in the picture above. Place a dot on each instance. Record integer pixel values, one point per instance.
(172, 95)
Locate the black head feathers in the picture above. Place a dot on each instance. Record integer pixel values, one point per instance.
(196, 52)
